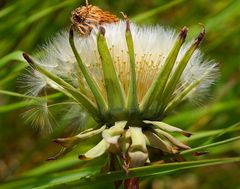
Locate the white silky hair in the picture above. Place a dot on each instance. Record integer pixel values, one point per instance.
(152, 45)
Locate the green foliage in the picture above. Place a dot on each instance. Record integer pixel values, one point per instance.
(25, 24)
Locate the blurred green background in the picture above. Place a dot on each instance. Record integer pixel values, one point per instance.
(26, 24)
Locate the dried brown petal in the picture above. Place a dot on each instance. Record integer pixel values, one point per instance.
(84, 18)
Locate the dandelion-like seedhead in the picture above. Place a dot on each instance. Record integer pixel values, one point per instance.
(152, 45)
(128, 78)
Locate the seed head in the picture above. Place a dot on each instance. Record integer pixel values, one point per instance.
(127, 78)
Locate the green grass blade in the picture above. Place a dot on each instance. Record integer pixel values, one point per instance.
(7, 10)
(210, 145)
(15, 72)
(211, 134)
(9, 93)
(61, 164)
(161, 169)
(16, 55)
(146, 15)
(220, 20)
(224, 38)
(213, 109)
(44, 12)
(235, 127)
(53, 181)
(15, 106)
(79, 178)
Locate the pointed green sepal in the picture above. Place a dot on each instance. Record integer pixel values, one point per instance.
(96, 92)
(115, 93)
(68, 89)
(132, 101)
(179, 97)
(155, 91)
(172, 83)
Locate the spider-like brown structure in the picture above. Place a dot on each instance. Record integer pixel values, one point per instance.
(84, 18)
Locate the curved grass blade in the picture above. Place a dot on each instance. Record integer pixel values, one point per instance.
(235, 127)
(42, 13)
(155, 170)
(15, 106)
(144, 16)
(78, 177)
(210, 145)
(16, 55)
(211, 134)
(10, 93)
(213, 109)
(7, 10)
(13, 74)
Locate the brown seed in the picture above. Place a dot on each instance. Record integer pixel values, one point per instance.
(85, 18)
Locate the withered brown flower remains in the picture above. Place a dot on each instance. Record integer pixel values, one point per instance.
(84, 18)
